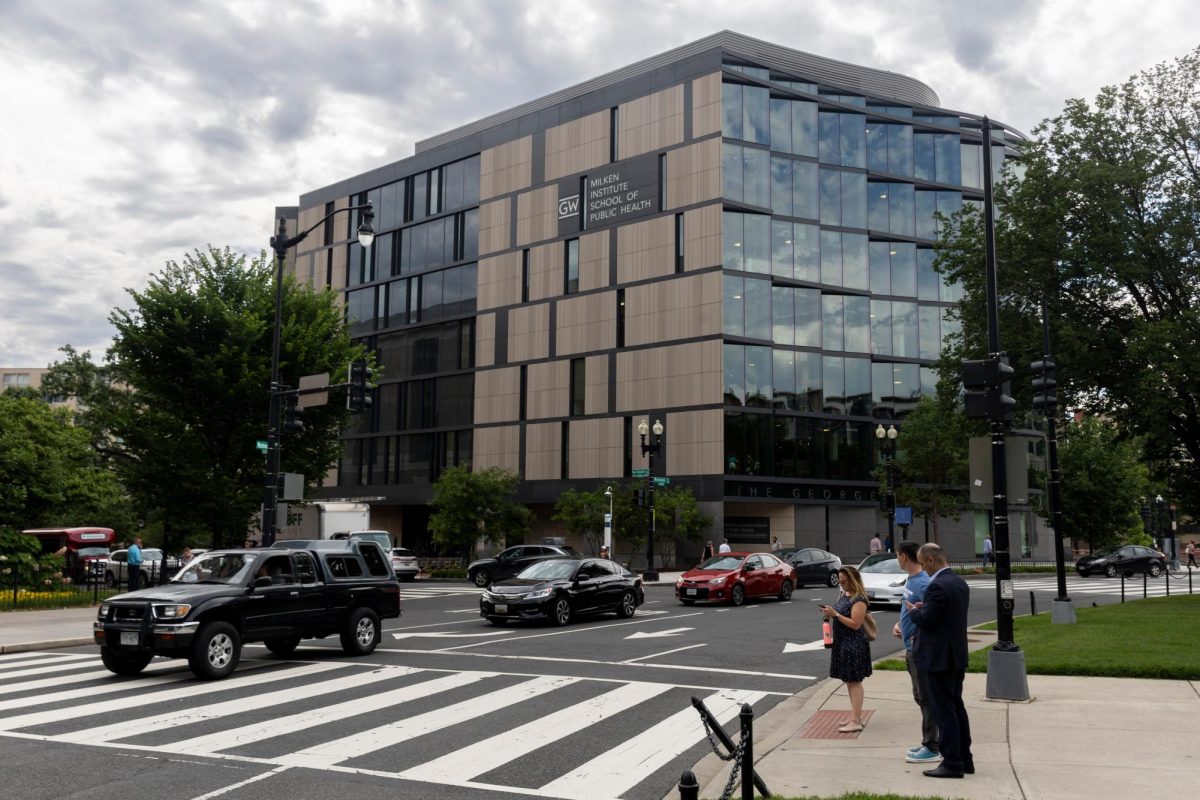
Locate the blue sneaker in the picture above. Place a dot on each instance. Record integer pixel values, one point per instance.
(923, 756)
(916, 749)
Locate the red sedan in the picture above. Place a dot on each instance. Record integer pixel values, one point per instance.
(733, 577)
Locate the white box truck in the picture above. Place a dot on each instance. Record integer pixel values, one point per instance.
(322, 520)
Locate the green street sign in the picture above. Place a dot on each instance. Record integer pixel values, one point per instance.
(261, 444)
(641, 472)
(659, 481)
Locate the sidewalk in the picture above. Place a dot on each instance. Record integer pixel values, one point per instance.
(1080, 738)
(38, 630)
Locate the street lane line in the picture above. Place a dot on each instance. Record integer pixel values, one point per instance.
(446, 635)
(115, 685)
(236, 737)
(36, 661)
(663, 653)
(613, 773)
(588, 629)
(488, 754)
(174, 719)
(240, 784)
(175, 692)
(338, 750)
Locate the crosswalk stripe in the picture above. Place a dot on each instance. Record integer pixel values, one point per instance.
(614, 772)
(486, 755)
(238, 681)
(115, 685)
(53, 668)
(32, 660)
(160, 722)
(338, 750)
(236, 737)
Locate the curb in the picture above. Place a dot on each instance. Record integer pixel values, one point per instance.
(52, 644)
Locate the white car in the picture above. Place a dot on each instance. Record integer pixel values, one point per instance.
(883, 579)
(404, 564)
(116, 568)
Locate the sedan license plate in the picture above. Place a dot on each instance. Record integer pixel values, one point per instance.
(691, 591)
(129, 638)
(870, 595)
(501, 608)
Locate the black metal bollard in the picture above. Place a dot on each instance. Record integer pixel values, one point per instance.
(1145, 585)
(689, 787)
(1122, 588)
(747, 719)
(1032, 605)
(1167, 581)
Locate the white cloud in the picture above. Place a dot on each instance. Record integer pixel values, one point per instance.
(137, 131)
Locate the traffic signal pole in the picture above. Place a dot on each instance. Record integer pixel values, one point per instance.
(1046, 400)
(1006, 677)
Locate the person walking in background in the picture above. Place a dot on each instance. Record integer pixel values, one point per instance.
(941, 620)
(914, 591)
(708, 552)
(850, 658)
(1191, 553)
(725, 548)
(775, 545)
(604, 551)
(185, 556)
(134, 561)
(876, 545)
(988, 555)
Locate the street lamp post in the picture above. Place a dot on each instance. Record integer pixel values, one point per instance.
(887, 441)
(608, 523)
(281, 243)
(650, 450)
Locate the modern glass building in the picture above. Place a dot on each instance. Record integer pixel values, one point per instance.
(732, 237)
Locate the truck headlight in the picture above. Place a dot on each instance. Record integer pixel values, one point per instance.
(171, 611)
(102, 614)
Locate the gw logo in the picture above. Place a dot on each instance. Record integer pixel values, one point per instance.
(568, 206)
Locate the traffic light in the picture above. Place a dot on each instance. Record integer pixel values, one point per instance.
(988, 389)
(359, 397)
(293, 415)
(1044, 399)
(639, 496)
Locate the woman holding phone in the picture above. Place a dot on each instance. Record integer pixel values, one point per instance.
(850, 658)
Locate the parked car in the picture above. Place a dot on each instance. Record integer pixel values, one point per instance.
(405, 564)
(225, 598)
(813, 565)
(116, 566)
(512, 561)
(883, 579)
(733, 577)
(558, 589)
(1127, 560)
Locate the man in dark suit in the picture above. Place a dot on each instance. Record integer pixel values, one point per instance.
(941, 653)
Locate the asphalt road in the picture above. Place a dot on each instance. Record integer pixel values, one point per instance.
(447, 707)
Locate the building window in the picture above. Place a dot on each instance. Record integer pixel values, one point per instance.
(524, 391)
(613, 130)
(578, 385)
(16, 379)
(566, 450)
(662, 181)
(571, 267)
(679, 243)
(327, 228)
(620, 317)
(525, 275)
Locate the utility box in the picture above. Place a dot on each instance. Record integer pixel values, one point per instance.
(1017, 457)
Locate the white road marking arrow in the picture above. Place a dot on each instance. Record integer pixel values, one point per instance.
(659, 634)
(447, 635)
(819, 644)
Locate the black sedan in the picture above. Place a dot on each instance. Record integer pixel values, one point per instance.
(813, 565)
(512, 560)
(1127, 560)
(558, 589)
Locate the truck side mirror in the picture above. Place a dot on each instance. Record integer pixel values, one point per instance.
(262, 580)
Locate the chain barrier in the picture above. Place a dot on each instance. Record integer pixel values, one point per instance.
(735, 756)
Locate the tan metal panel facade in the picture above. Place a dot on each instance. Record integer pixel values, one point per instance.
(665, 377)
(595, 393)
(596, 448)
(547, 386)
(543, 451)
(593, 261)
(684, 308)
(499, 281)
(537, 215)
(497, 395)
(587, 323)
(495, 226)
(706, 105)
(497, 447)
(485, 340)
(506, 168)
(695, 442)
(650, 123)
(546, 271)
(694, 173)
(577, 145)
(702, 237)
(646, 250)
(529, 333)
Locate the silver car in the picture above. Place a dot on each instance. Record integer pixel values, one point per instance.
(116, 568)
(404, 564)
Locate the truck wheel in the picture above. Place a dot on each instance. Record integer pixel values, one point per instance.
(360, 635)
(284, 646)
(482, 579)
(215, 651)
(124, 663)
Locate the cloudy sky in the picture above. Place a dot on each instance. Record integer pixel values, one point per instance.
(137, 130)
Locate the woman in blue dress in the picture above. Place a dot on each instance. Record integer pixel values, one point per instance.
(850, 658)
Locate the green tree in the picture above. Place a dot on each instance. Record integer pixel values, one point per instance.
(49, 473)
(932, 452)
(182, 396)
(1101, 219)
(678, 517)
(1103, 482)
(583, 514)
(469, 506)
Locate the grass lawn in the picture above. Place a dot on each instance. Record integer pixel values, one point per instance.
(1154, 638)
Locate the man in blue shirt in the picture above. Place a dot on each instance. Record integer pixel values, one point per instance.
(134, 561)
(914, 591)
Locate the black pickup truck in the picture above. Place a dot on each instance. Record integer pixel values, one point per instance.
(224, 598)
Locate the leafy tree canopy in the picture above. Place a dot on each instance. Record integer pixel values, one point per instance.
(1101, 220)
(183, 394)
(469, 506)
(932, 454)
(1103, 482)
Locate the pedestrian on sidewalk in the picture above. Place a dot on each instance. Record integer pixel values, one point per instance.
(850, 658)
(725, 548)
(988, 554)
(133, 560)
(914, 592)
(941, 619)
(876, 545)
(1191, 553)
(708, 552)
